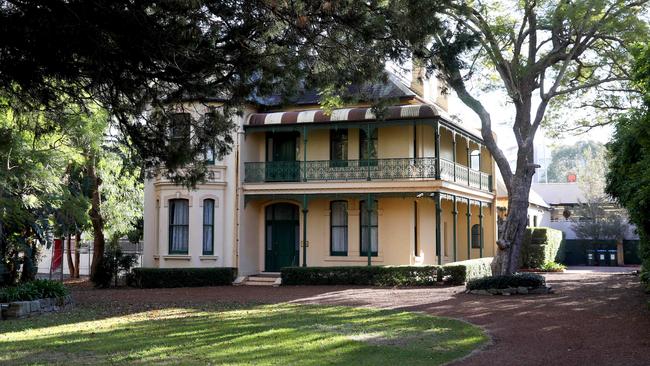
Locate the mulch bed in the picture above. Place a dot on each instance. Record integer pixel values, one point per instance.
(592, 319)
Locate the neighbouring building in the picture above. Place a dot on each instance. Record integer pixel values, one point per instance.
(563, 199)
(303, 187)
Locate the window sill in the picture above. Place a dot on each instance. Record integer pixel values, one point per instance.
(352, 259)
(208, 257)
(181, 257)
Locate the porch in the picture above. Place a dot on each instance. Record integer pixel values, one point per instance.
(333, 230)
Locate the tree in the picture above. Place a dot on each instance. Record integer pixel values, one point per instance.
(32, 164)
(135, 58)
(543, 55)
(629, 160)
(569, 159)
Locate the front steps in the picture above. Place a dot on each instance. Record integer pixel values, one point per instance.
(262, 279)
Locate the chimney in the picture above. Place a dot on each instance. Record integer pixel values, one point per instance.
(418, 74)
(431, 89)
(442, 93)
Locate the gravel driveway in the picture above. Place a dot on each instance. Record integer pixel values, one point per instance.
(593, 318)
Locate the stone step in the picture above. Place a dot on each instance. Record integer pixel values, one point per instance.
(259, 283)
(262, 279)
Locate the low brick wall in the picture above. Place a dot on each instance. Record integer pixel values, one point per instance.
(23, 309)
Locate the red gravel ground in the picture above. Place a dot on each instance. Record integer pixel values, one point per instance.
(591, 319)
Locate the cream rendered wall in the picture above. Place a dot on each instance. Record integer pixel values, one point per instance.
(461, 150)
(426, 141)
(253, 146)
(250, 239)
(150, 222)
(427, 231)
(318, 145)
(394, 142)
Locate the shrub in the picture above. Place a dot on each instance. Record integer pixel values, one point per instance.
(457, 273)
(541, 245)
(182, 277)
(552, 267)
(37, 289)
(506, 281)
(113, 263)
(362, 275)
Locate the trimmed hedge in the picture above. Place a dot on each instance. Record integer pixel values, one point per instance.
(457, 273)
(528, 280)
(181, 277)
(34, 290)
(541, 245)
(362, 275)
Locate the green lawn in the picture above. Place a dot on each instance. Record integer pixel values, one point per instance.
(259, 335)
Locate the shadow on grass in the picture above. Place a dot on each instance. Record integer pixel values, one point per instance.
(260, 335)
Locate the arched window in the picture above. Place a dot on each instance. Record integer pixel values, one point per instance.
(339, 228)
(475, 160)
(476, 236)
(178, 226)
(208, 227)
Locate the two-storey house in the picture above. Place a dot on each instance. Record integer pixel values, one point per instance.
(304, 187)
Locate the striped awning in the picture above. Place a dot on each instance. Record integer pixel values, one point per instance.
(421, 111)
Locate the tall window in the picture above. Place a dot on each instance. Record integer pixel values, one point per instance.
(178, 226)
(475, 160)
(209, 155)
(180, 129)
(338, 147)
(364, 141)
(416, 235)
(476, 236)
(339, 228)
(372, 222)
(208, 227)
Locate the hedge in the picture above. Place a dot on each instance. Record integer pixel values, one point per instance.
(34, 290)
(181, 277)
(457, 273)
(361, 275)
(541, 245)
(529, 280)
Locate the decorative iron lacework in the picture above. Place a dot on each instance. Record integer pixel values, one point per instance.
(354, 170)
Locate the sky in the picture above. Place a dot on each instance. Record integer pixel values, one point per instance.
(502, 114)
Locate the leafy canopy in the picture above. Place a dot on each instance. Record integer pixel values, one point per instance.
(134, 58)
(628, 180)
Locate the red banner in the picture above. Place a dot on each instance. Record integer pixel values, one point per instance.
(57, 255)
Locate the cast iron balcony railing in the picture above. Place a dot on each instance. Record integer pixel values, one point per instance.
(376, 169)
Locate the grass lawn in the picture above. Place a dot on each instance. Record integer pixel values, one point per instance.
(257, 335)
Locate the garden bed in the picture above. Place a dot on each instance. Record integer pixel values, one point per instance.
(516, 284)
(33, 298)
(24, 309)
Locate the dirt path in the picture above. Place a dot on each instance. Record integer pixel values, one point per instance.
(592, 319)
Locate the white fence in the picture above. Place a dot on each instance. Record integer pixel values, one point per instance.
(85, 257)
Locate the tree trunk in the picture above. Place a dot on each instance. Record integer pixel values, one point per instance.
(509, 245)
(96, 218)
(77, 255)
(71, 267)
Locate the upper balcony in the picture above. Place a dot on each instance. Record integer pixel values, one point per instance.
(411, 145)
(368, 170)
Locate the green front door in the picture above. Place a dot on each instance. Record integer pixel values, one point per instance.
(281, 247)
(281, 163)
